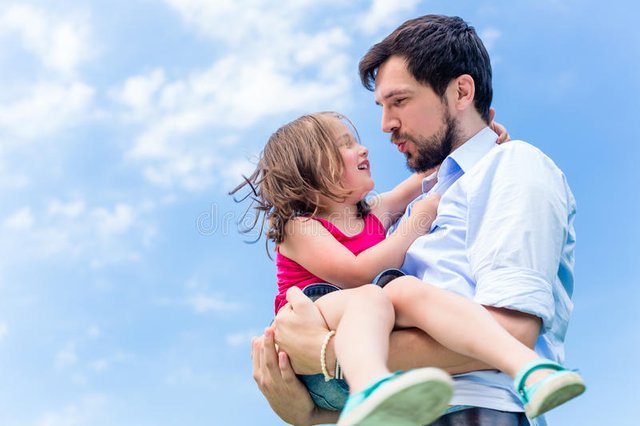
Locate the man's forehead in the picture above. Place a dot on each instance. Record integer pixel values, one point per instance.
(392, 79)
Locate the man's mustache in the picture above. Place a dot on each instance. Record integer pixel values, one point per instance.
(397, 137)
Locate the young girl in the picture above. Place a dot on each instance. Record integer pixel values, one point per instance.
(310, 185)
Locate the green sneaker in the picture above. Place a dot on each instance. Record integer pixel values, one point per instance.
(412, 398)
(550, 391)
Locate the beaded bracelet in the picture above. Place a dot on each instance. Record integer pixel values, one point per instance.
(323, 353)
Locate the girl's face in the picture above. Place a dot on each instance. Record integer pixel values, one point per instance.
(356, 176)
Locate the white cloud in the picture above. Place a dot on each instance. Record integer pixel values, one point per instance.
(99, 365)
(79, 379)
(113, 222)
(235, 22)
(200, 299)
(490, 36)
(70, 230)
(230, 94)
(20, 220)
(71, 210)
(10, 180)
(186, 376)
(383, 13)
(46, 95)
(94, 331)
(284, 65)
(203, 303)
(61, 44)
(53, 106)
(241, 338)
(138, 92)
(66, 357)
(233, 172)
(86, 411)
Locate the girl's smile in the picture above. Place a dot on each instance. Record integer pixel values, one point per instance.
(356, 176)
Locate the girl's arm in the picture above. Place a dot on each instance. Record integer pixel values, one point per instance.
(390, 205)
(311, 245)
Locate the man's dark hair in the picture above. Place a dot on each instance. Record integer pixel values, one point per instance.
(437, 49)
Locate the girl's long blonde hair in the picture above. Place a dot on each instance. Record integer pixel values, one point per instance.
(300, 164)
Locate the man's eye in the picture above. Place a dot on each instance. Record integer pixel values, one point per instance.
(399, 101)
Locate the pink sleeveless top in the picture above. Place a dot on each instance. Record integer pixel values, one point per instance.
(290, 273)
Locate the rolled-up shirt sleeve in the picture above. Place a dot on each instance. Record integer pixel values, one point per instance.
(517, 227)
(518, 289)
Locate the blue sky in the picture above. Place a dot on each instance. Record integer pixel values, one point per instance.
(126, 294)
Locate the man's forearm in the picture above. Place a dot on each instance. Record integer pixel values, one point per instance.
(411, 348)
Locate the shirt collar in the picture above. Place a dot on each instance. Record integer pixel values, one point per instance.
(429, 182)
(462, 159)
(470, 152)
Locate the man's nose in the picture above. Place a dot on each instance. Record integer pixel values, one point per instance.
(389, 122)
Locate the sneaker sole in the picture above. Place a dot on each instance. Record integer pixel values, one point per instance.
(417, 397)
(558, 391)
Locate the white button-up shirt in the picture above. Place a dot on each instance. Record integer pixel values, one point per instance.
(503, 237)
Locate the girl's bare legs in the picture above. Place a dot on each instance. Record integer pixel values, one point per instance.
(363, 318)
(458, 324)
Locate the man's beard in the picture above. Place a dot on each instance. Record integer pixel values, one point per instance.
(432, 151)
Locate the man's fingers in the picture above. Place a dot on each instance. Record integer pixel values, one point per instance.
(269, 354)
(285, 367)
(255, 353)
(256, 356)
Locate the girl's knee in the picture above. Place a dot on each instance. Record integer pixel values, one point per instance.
(372, 292)
(404, 289)
(373, 295)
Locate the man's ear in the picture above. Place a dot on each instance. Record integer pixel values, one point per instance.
(463, 89)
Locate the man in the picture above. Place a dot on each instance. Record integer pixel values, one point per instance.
(503, 237)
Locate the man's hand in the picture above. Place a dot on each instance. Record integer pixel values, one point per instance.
(299, 331)
(286, 395)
